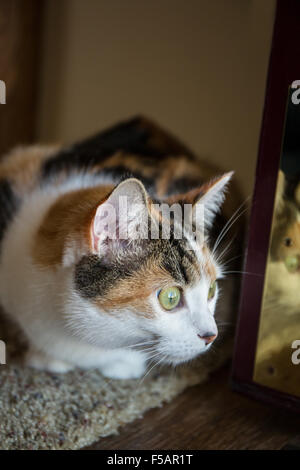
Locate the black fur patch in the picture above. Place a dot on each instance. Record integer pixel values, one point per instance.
(127, 136)
(94, 278)
(8, 205)
(121, 173)
(179, 261)
(182, 185)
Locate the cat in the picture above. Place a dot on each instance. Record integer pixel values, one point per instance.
(279, 321)
(283, 268)
(84, 299)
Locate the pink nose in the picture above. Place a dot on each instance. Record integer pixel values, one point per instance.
(208, 338)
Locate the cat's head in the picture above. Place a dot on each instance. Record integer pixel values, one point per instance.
(285, 241)
(144, 280)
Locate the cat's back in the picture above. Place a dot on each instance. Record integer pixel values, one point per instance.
(136, 147)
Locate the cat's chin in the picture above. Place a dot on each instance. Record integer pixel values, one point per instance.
(177, 359)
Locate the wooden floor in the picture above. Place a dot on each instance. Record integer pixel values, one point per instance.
(208, 416)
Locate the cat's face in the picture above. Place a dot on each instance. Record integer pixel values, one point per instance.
(157, 292)
(285, 243)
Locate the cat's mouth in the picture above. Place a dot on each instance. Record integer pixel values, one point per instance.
(292, 263)
(180, 354)
(171, 351)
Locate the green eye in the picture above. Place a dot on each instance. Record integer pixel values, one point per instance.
(291, 263)
(169, 298)
(212, 290)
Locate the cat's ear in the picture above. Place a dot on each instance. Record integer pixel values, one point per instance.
(211, 198)
(205, 201)
(279, 197)
(121, 218)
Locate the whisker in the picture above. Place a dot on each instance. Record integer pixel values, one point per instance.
(219, 257)
(151, 368)
(149, 351)
(235, 216)
(153, 356)
(229, 227)
(231, 259)
(242, 272)
(145, 343)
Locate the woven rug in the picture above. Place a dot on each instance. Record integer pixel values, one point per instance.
(40, 410)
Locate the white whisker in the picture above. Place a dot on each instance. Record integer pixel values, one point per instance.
(151, 368)
(242, 272)
(235, 216)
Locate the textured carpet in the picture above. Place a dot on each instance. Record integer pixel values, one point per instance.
(39, 410)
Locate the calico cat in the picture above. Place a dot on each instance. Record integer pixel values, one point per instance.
(88, 300)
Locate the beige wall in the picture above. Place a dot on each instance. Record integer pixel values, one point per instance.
(198, 67)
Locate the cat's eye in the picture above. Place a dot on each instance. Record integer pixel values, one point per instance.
(169, 298)
(288, 241)
(292, 263)
(212, 290)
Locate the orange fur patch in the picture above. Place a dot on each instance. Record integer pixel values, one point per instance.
(208, 264)
(136, 289)
(69, 219)
(21, 166)
(132, 163)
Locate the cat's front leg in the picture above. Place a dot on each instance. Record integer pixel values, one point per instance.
(42, 361)
(123, 364)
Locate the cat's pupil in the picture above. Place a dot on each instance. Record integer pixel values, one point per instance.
(172, 296)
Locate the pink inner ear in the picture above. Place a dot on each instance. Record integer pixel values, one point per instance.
(94, 238)
(104, 225)
(96, 229)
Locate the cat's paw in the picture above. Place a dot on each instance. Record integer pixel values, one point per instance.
(39, 360)
(130, 366)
